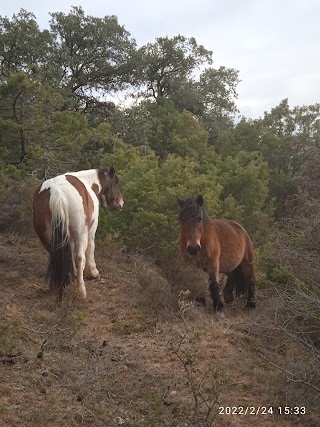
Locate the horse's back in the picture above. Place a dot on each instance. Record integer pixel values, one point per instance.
(226, 229)
(83, 204)
(71, 194)
(232, 242)
(249, 252)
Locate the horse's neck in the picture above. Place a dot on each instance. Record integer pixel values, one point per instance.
(88, 177)
(207, 237)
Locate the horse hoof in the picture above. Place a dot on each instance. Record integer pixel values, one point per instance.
(96, 274)
(92, 274)
(82, 292)
(220, 314)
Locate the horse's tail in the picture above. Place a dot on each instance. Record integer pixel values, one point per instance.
(60, 267)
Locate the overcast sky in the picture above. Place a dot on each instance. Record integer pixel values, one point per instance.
(275, 44)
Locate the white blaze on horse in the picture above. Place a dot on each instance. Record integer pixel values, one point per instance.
(65, 217)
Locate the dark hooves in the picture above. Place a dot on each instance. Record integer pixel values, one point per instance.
(201, 301)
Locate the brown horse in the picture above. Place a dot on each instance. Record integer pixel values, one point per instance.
(219, 246)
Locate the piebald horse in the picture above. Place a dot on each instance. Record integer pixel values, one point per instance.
(65, 217)
(218, 246)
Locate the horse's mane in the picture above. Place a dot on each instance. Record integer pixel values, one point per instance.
(104, 169)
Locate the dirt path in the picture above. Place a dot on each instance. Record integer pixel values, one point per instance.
(108, 362)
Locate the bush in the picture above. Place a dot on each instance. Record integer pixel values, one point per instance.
(16, 201)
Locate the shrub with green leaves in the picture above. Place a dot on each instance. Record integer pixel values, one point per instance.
(151, 185)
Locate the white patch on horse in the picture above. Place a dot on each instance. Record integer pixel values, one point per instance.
(73, 207)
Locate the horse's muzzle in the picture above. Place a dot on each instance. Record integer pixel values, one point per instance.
(118, 208)
(194, 250)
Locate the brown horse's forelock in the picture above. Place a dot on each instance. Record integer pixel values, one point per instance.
(191, 210)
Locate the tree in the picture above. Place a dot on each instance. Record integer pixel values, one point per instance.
(217, 88)
(168, 61)
(171, 68)
(25, 113)
(283, 137)
(244, 179)
(307, 124)
(22, 45)
(243, 136)
(162, 128)
(89, 54)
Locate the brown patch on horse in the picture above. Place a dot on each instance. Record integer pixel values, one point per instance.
(41, 215)
(87, 201)
(95, 189)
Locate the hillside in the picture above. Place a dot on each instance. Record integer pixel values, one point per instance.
(118, 360)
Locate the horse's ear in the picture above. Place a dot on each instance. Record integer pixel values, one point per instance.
(112, 172)
(180, 201)
(200, 200)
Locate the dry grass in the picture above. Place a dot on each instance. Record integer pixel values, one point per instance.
(138, 352)
(293, 380)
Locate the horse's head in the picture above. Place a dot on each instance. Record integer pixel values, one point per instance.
(191, 217)
(110, 195)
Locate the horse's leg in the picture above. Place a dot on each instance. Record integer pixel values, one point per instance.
(215, 294)
(248, 276)
(73, 256)
(228, 289)
(80, 262)
(91, 270)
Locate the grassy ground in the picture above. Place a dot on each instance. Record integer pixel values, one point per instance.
(135, 353)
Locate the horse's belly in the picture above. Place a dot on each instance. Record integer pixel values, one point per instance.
(230, 262)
